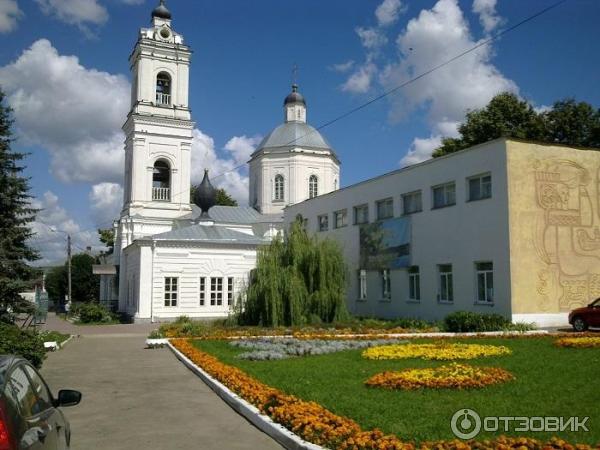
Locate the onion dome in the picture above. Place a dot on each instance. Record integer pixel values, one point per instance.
(294, 96)
(161, 11)
(205, 196)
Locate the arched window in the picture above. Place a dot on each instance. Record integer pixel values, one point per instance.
(313, 186)
(163, 89)
(279, 188)
(161, 181)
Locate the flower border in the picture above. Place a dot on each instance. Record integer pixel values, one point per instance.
(579, 342)
(439, 351)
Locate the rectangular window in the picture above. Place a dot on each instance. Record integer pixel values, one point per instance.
(480, 187)
(361, 214)
(216, 291)
(341, 218)
(170, 291)
(444, 195)
(412, 202)
(202, 291)
(385, 209)
(485, 282)
(414, 283)
(323, 222)
(230, 291)
(362, 284)
(446, 289)
(386, 285)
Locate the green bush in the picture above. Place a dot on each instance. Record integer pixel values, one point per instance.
(465, 322)
(25, 343)
(53, 336)
(91, 313)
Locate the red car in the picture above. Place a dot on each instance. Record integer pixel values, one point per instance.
(588, 316)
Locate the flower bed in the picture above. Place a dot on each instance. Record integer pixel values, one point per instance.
(282, 348)
(320, 426)
(451, 376)
(579, 342)
(439, 351)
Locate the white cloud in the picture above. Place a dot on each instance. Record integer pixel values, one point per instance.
(9, 15)
(204, 156)
(75, 12)
(360, 81)
(342, 67)
(73, 112)
(241, 147)
(371, 38)
(51, 227)
(388, 11)
(106, 200)
(420, 150)
(429, 39)
(488, 17)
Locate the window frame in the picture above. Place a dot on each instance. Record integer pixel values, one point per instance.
(279, 188)
(445, 279)
(313, 186)
(216, 291)
(488, 275)
(343, 214)
(383, 201)
(168, 291)
(364, 207)
(418, 192)
(386, 285)
(445, 187)
(325, 222)
(414, 284)
(230, 291)
(480, 179)
(202, 291)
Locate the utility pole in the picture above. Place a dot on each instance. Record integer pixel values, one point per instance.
(69, 270)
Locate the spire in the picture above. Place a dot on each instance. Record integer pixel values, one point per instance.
(294, 96)
(161, 11)
(205, 196)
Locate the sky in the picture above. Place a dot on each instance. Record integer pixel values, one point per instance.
(64, 68)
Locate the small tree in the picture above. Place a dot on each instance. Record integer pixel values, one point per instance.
(107, 237)
(15, 217)
(85, 286)
(297, 280)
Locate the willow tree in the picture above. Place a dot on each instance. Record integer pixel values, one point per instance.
(298, 280)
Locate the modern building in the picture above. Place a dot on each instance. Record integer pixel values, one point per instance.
(506, 227)
(174, 257)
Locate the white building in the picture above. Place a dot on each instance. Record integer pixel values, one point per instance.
(504, 227)
(172, 257)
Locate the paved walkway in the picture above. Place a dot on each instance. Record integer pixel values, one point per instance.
(136, 398)
(130, 329)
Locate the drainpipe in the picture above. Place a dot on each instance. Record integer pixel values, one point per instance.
(152, 283)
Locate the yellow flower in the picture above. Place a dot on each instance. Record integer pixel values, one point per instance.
(579, 342)
(439, 351)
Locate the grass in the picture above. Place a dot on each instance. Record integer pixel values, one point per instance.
(54, 336)
(550, 381)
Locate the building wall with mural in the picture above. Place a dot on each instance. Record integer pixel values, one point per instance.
(554, 208)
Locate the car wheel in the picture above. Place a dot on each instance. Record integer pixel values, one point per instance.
(579, 324)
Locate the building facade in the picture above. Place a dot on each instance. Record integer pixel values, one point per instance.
(507, 227)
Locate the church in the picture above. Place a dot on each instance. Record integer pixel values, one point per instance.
(173, 257)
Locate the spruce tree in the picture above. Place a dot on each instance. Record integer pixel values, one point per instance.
(15, 217)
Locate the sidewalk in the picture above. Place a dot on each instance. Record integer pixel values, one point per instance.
(135, 398)
(55, 323)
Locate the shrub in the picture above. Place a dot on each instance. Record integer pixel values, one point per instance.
(465, 322)
(25, 343)
(91, 313)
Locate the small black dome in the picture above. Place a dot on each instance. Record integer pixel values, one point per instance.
(205, 196)
(161, 11)
(294, 96)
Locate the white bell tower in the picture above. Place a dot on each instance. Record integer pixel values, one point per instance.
(158, 133)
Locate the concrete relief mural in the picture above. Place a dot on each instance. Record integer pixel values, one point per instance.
(567, 234)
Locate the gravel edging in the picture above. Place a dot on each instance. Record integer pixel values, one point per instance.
(264, 423)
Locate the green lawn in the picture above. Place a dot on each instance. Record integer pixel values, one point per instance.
(550, 381)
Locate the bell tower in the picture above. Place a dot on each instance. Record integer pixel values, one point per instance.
(158, 132)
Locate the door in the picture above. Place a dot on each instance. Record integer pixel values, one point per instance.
(37, 432)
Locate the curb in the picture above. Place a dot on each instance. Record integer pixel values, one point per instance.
(66, 341)
(264, 423)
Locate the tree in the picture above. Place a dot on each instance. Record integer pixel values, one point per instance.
(223, 198)
(107, 237)
(567, 122)
(15, 218)
(56, 284)
(297, 280)
(85, 286)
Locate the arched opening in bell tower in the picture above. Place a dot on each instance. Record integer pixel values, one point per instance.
(163, 89)
(161, 181)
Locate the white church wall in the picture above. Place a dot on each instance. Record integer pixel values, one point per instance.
(461, 235)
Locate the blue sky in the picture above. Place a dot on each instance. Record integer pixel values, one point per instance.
(63, 65)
